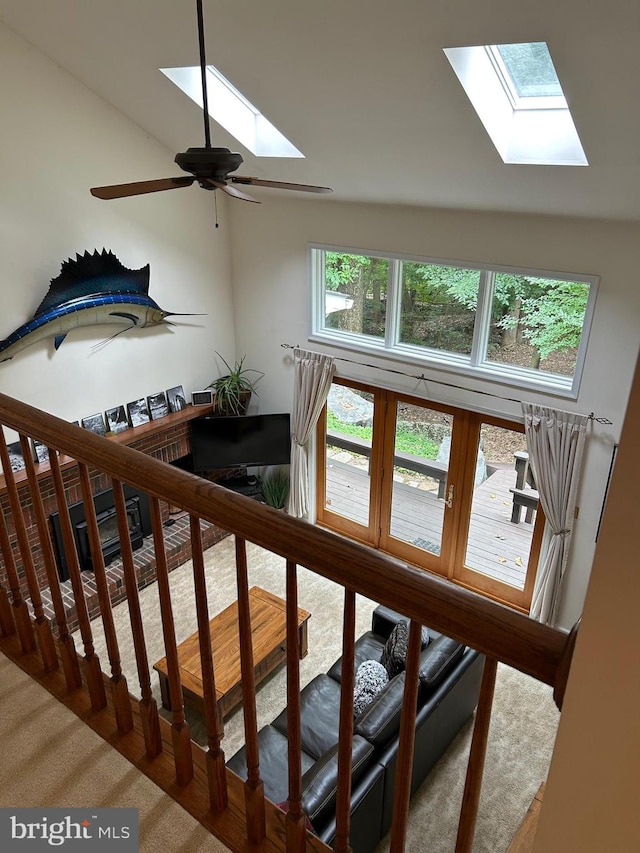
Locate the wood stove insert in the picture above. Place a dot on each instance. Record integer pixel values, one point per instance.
(139, 520)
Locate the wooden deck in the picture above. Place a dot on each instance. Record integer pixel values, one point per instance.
(496, 547)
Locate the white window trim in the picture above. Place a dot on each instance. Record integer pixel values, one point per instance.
(474, 365)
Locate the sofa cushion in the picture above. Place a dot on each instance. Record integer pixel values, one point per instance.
(367, 647)
(274, 770)
(437, 659)
(380, 720)
(370, 679)
(319, 716)
(320, 782)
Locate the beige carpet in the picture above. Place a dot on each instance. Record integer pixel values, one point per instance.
(524, 718)
(51, 758)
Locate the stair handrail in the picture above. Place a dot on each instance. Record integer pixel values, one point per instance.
(487, 626)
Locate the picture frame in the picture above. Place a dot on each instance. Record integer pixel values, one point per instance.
(138, 412)
(95, 423)
(40, 451)
(16, 458)
(202, 398)
(176, 398)
(158, 406)
(116, 419)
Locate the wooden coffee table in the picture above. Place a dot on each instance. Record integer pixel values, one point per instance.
(268, 631)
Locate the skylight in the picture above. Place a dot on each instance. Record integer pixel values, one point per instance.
(516, 92)
(233, 111)
(529, 75)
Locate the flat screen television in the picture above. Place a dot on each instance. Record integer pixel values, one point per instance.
(243, 440)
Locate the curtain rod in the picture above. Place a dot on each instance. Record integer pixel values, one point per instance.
(424, 378)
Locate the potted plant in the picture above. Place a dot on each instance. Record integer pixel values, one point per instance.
(232, 392)
(275, 487)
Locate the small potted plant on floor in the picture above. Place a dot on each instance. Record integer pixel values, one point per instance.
(232, 392)
(275, 486)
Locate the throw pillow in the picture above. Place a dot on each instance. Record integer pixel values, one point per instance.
(370, 678)
(394, 653)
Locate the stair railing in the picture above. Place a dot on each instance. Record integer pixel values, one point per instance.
(28, 635)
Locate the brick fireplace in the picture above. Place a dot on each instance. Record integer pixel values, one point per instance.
(166, 439)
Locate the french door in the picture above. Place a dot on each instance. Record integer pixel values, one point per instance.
(445, 489)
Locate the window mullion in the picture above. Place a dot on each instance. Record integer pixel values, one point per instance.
(482, 325)
(394, 304)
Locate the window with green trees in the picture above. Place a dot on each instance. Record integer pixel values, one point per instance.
(527, 327)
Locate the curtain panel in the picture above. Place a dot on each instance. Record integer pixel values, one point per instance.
(313, 373)
(555, 442)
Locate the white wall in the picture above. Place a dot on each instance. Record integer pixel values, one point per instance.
(58, 139)
(272, 305)
(591, 798)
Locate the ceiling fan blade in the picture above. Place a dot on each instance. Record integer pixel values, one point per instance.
(140, 187)
(281, 185)
(232, 191)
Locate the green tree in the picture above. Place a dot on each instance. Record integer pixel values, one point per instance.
(553, 320)
(364, 279)
(546, 313)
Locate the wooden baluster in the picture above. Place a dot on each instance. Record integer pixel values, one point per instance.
(119, 689)
(42, 624)
(92, 670)
(19, 608)
(477, 753)
(406, 744)
(7, 625)
(180, 734)
(296, 836)
(345, 745)
(254, 786)
(216, 773)
(147, 705)
(67, 647)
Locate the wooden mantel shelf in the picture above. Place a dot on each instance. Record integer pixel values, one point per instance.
(127, 436)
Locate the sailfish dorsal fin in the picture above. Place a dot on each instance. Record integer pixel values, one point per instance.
(89, 274)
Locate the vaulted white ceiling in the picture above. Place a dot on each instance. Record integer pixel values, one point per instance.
(363, 89)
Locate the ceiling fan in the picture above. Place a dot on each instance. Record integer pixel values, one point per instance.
(210, 167)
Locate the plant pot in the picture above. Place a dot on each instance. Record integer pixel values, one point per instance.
(223, 407)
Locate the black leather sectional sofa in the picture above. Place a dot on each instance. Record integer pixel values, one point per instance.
(450, 675)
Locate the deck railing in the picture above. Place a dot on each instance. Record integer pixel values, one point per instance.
(234, 811)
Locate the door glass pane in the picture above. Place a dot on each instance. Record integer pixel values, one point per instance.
(349, 433)
(421, 459)
(537, 322)
(438, 306)
(503, 509)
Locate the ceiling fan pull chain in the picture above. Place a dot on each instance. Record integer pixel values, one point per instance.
(215, 204)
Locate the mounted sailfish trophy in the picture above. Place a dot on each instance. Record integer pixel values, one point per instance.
(92, 290)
